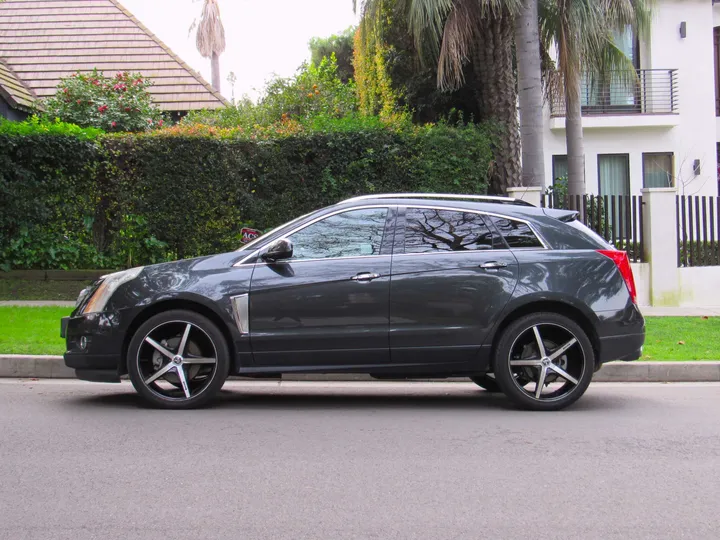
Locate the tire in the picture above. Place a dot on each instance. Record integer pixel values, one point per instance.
(486, 383)
(157, 366)
(519, 364)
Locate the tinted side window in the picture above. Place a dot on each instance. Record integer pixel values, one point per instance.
(428, 230)
(350, 234)
(516, 233)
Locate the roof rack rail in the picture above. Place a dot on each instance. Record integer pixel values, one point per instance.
(488, 198)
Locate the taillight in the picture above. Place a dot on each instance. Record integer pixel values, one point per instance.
(621, 260)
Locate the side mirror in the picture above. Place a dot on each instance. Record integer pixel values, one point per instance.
(280, 249)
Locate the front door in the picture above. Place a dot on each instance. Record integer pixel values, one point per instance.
(452, 276)
(328, 304)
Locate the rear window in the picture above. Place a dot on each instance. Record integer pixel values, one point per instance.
(429, 230)
(517, 234)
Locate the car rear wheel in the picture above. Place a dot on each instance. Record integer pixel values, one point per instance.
(178, 360)
(544, 362)
(486, 382)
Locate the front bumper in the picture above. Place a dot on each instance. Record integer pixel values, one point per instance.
(94, 346)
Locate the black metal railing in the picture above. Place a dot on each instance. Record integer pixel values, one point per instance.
(698, 230)
(617, 218)
(651, 91)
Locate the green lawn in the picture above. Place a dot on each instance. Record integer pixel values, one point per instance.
(682, 338)
(36, 330)
(31, 330)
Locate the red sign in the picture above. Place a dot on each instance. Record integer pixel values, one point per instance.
(248, 235)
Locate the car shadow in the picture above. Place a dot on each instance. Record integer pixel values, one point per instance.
(263, 399)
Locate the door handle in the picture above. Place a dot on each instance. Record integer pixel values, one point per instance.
(365, 277)
(493, 265)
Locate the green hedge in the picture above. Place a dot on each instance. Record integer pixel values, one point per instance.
(82, 201)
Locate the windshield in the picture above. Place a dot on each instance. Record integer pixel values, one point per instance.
(252, 244)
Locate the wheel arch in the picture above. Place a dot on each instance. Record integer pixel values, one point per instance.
(185, 303)
(559, 306)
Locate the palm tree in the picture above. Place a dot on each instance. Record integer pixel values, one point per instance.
(583, 32)
(530, 94)
(210, 38)
(483, 31)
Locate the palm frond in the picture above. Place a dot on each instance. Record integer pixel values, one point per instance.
(619, 14)
(210, 31)
(583, 32)
(611, 65)
(426, 22)
(459, 34)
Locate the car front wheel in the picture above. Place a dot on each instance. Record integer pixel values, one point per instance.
(178, 360)
(544, 361)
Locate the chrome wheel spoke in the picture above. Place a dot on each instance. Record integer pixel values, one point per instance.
(538, 339)
(528, 362)
(159, 347)
(564, 374)
(159, 373)
(558, 352)
(183, 341)
(183, 380)
(540, 382)
(200, 360)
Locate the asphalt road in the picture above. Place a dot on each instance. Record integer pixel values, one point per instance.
(358, 460)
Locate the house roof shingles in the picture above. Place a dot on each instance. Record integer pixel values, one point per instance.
(13, 90)
(42, 41)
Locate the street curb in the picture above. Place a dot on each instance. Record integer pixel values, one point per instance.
(53, 367)
(40, 367)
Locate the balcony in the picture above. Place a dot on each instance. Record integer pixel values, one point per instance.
(651, 100)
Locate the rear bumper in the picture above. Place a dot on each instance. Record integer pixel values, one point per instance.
(626, 347)
(621, 334)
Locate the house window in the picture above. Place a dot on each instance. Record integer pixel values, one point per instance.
(614, 93)
(559, 168)
(614, 174)
(658, 170)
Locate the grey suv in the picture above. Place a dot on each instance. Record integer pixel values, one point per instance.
(523, 300)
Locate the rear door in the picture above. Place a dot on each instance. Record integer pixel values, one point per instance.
(452, 275)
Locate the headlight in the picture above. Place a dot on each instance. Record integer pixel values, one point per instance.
(107, 287)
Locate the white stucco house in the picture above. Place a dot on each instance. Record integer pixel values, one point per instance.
(663, 130)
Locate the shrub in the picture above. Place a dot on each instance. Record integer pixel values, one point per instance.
(73, 201)
(119, 103)
(45, 178)
(316, 89)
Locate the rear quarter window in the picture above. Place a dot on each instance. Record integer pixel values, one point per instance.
(517, 234)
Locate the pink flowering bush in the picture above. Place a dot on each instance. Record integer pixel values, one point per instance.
(114, 104)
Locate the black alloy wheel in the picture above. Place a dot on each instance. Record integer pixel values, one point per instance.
(544, 361)
(178, 360)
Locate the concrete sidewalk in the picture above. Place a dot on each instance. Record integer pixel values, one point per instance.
(53, 367)
(659, 311)
(648, 311)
